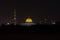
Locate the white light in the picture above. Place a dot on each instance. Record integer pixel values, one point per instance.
(53, 23)
(28, 24)
(8, 23)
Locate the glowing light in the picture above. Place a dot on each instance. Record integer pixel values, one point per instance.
(27, 24)
(28, 20)
(8, 23)
(53, 23)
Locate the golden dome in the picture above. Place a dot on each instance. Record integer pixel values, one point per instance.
(28, 20)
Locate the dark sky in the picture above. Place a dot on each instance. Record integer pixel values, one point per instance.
(32, 8)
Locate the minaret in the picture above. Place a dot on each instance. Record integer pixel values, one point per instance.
(14, 17)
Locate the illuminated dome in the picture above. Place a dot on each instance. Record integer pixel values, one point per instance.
(28, 20)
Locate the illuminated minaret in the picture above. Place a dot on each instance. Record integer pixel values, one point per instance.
(14, 17)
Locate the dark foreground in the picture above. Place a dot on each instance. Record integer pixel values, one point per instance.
(37, 32)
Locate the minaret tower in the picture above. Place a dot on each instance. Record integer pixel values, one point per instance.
(14, 17)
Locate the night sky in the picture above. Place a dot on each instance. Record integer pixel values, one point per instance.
(33, 8)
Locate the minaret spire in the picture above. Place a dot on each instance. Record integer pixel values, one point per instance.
(14, 17)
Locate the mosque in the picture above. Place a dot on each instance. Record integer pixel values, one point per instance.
(28, 22)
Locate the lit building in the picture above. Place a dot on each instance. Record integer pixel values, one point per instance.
(28, 22)
(13, 17)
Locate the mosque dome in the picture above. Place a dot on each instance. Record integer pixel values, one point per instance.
(28, 20)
